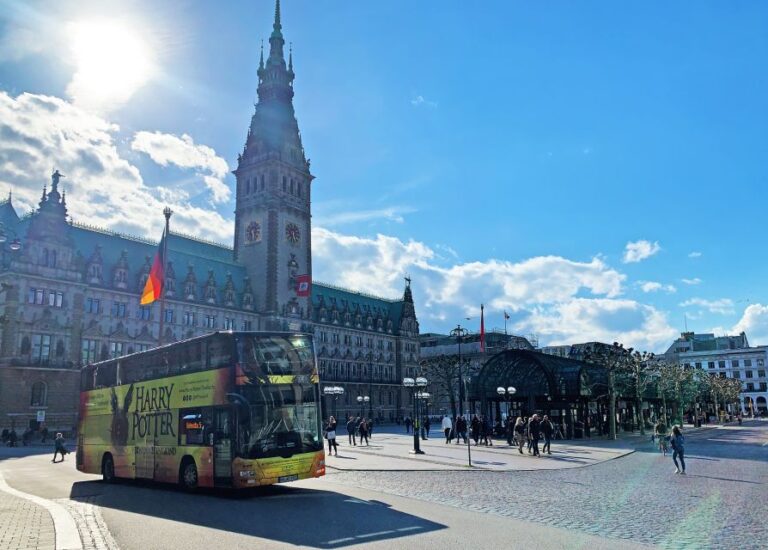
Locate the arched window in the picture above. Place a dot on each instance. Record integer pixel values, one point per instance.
(44, 260)
(39, 394)
(53, 258)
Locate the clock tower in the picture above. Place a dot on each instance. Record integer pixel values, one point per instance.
(272, 211)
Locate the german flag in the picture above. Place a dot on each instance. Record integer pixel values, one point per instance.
(153, 288)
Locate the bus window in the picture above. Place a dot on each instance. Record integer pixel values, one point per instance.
(191, 356)
(86, 378)
(195, 427)
(105, 375)
(220, 351)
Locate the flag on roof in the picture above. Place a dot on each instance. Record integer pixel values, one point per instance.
(506, 316)
(153, 288)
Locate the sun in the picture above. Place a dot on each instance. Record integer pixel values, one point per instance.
(112, 61)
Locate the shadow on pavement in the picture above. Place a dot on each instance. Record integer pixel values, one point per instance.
(293, 515)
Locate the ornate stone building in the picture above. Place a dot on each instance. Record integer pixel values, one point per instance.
(70, 293)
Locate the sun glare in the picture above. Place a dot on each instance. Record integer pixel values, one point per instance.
(112, 62)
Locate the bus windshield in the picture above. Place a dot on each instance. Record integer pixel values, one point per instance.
(276, 381)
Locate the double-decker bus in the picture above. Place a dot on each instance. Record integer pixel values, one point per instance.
(228, 409)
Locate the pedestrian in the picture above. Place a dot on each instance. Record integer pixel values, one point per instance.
(447, 428)
(528, 434)
(461, 429)
(509, 430)
(363, 428)
(546, 429)
(44, 433)
(520, 433)
(486, 434)
(59, 448)
(369, 426)
(351, 431)
(660, 431)
(535, 432)
(407, 423)
(427, 425)
(12, 438)
(5, 434)
(330, 435)
(475, 429)
(26, 437)
(678, 450)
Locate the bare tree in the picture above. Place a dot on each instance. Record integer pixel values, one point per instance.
(638, 371)
(442, 371)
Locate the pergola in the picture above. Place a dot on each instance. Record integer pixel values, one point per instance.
(565, 389)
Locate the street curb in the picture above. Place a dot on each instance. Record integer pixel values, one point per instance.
(67, 535)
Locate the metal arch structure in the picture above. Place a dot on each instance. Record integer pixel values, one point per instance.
(537, 375)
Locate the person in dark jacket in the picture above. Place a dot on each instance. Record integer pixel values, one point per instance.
(485, 432)
(678, 451)
(59, 447)
(363, 428)
(461, 430)
(330, 434)
(475, 429)
(534, 430)
(12, 438)
(351, 431)
(546, 429)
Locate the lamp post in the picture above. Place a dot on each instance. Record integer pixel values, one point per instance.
(370, 385)
(362, 400)
(507, 394)
(424, 398)
(335, 392)
(459, 333)
(413, 386)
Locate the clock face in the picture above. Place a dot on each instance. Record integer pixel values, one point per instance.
(292, 233)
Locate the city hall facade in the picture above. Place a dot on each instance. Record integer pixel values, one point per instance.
(70, 293)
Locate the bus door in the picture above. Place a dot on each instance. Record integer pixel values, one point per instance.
(222, 444)
(145, 456)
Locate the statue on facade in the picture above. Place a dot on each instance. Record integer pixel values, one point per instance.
(55, 177)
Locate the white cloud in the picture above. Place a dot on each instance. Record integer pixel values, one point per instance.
(605, 320)
(561, 300)
(694, 281)
(326, 217)
(754, 322)
(653, 286)
(694, 254)
(639, 250)
(39, 133)
(724, 306)
(182, 151)
(420, 101)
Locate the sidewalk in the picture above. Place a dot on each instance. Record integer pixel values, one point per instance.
(24, 525)
(390, 450)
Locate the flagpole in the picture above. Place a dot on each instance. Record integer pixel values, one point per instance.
(505, 323)
(167, 213)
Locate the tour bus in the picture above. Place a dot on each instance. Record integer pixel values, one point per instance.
(228, 409)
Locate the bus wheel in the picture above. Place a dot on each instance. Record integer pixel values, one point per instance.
(108, 468)
(188, 477)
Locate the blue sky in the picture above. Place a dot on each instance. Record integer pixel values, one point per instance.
(597, 170)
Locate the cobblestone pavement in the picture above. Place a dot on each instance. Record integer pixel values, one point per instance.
(721, 503)
(24, 525)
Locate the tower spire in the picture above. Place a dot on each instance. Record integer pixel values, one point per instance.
(276, 27)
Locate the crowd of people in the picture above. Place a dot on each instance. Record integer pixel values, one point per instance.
(358, 429)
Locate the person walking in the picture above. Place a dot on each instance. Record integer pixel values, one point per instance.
(59, 448)
(12, 438)
(475, 429)
(520, 433)
(427, 425)
(351, 431)
(407, 423)
(678, 450)
(535, 432)
(546, 429)
(528, 434)
(461, 430)
(44, 433)
(660, 432)
(509, 429)
(330, 435)
(447, 428)
(363, 432)
(486, 434)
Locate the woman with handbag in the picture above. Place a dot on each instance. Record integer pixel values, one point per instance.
(330, 435)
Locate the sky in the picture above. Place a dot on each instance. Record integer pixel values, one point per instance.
(596, 170)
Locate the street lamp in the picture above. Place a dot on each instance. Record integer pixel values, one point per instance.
(414, 386)
(335, 392)
(361, 400)
(424, 398)
(459, 333)
(507, 394)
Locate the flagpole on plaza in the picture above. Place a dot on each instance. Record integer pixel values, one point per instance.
(167, 213)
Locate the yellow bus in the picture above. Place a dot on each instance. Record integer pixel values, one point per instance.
(228, 409)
